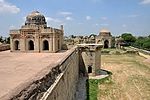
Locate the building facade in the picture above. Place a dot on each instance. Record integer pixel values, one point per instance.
(36, 36)
(104, 38)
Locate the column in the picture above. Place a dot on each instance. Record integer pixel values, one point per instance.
(51, 43)
(11, 44)
(54, 41)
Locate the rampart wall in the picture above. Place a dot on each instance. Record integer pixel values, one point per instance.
(64, 87)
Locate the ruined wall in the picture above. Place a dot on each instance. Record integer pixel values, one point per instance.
(64, 87)
(4, 47)
(60, 82)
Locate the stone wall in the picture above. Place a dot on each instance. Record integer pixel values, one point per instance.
(60, 82)
(4, 47)
(53, 83)
(64, 87)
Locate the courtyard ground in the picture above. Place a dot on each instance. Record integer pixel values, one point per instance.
(130, 78)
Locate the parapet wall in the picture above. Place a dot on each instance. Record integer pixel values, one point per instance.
(64, 87)
(52, 83)
(4, 47)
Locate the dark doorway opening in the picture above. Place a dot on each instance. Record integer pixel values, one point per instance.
(31, 45)
(16, 45)
(106, 43)
(45, 45)
(89, 69)
(58, 45)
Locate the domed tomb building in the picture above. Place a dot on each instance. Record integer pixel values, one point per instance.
(36, 36)
(104, 38)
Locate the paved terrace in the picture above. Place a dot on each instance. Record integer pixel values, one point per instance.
(18, 70)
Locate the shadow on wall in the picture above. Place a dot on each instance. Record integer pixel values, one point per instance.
(82, 69)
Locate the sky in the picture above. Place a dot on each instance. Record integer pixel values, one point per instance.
(80, 17)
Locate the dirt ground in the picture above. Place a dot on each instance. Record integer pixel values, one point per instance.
(130, 78)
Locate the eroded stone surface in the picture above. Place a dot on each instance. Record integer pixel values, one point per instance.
(18, 70)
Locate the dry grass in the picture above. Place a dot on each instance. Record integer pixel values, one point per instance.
(130, 79)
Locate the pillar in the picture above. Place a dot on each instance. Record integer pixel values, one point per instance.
(54, 41)
(91, 55)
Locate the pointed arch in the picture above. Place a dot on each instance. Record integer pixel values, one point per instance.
(30, 45)
(45, 45)
(16, 45)
(106, 44)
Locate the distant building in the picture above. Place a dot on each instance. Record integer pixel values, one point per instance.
(119, 42)
(104, 38)
(35, 36)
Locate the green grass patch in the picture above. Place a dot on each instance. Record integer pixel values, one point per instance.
(92, 87)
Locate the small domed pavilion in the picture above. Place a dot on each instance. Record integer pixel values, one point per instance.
(104, 38)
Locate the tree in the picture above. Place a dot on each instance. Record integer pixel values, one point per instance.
(128, 38)
(5, 39)
(1, 39)
(146, 44)
(143, 43)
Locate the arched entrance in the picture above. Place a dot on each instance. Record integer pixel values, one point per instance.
(99, 41)
(16, 45)
(31, 45)
(106, 44)
(89, 69)
(45, 45)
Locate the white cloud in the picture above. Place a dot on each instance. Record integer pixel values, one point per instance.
(97, 24)
(69, 18)
(24, 19)
(6, 7)
(145, 2)
(124, 25)
(80, 23)
(133, 16)
(104, 18)
(50, 19)
(12, 27)
(65, 13)
(88, 17)
(105, 24)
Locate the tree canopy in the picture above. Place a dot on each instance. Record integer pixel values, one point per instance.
(128, 38)
(143, 43)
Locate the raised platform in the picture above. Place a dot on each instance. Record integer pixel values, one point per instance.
(17, 70)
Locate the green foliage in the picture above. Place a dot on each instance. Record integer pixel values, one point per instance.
(92, 86)
(1, 39)
(92, 89)
(128, 38)
(143, 43)
(5, 39)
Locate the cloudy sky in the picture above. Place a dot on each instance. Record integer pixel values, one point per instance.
(80, 17)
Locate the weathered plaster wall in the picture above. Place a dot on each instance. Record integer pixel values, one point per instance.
(64, 87)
